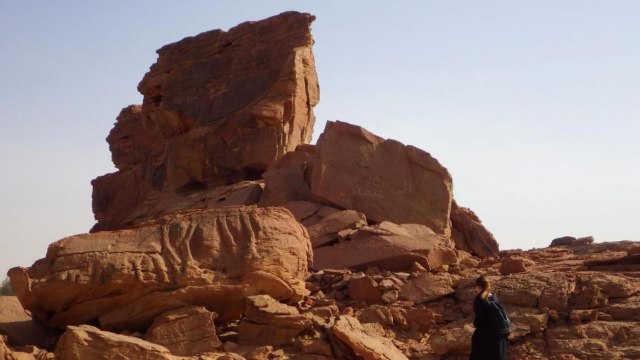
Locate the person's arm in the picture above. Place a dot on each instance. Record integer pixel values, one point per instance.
(478, 310)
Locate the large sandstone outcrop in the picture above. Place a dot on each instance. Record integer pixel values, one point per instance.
(354, 169)
(218, 108)
(124, 279)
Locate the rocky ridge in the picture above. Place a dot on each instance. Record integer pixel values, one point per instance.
(225, 235)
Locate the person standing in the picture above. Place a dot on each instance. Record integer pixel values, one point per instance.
(490, 338)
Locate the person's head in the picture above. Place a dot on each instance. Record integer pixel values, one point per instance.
(483, 286)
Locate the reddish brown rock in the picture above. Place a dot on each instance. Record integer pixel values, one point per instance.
(349, 331)
(470, 235)
(20, 328)
(383, 179)
(354, 169)
(86, 342)
(268, 322)
(326, 229)
(186, 331)
(364, 288)
(387, 246)
(452, 339)
(427, 287)
(124, 279)
(514, 265)
(218, 108)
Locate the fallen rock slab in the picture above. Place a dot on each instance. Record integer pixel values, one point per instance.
(387, 246)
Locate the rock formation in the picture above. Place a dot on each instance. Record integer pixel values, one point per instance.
(353, 169)
(218, 108)
(124, 279)
(349, 249)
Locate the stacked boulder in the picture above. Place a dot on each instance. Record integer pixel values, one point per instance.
(225, 235)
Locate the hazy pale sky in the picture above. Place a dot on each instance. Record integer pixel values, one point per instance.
(533, 106)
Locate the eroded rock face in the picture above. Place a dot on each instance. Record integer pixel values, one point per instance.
(355, 169)
(218, 108)
(124, 279)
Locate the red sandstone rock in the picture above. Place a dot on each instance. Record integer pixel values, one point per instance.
(383, 179)
(326, 229)
(427, 287)
(349, 331)
(17, 324)
(269, 322)
(86, 342)
(364, 288)
(470, 235)
(186, 331)
(387, 245)
(515, 265)
(218, 108)
(124, 279)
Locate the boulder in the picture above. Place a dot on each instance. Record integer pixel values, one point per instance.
(350, 332)
(20, 328)
(86, 342)
(364, 288)
(124, 279)
(218, 108)
(571, 241)
(187, 331)
(268, 322)
(427, 287)
(387, 246)
(351, 168)
(470, 235)
(455, 339)
(514, 265)
(326, 229)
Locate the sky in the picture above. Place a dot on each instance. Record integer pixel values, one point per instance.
(533, 106)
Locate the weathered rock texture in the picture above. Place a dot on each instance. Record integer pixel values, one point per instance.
(470, 235)
(354, 169)
(19, 327)
(187, 331)
(124, 279)
(218, 108)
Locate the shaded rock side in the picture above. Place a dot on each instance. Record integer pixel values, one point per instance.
(124, 279)
(470, 235)
(19, 327)
(218, 108)
(349, 331)
(388, 246)
(350, 168)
